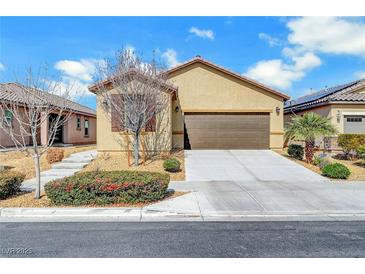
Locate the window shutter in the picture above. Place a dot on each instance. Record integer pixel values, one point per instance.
(117, 119)
(151, 125)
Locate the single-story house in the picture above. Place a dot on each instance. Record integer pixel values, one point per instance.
(210, 107)
(80, 128)
(344, 105)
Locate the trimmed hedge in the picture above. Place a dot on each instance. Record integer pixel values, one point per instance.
(10, 182)
(336, 171)
(296, 151)
(171, 165)
(107, 187)
(350, 142)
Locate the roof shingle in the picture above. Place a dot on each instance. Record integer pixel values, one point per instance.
(345, 92)
(15, 92)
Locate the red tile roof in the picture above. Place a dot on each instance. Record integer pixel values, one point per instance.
(15, 92)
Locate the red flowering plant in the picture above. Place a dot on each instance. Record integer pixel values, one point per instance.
(106, 187)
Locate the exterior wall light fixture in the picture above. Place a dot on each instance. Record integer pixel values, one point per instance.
(277, 110)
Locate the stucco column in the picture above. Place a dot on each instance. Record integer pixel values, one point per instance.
(44, 129)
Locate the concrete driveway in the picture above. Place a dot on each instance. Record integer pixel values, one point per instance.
(259, 200)
(257, 184)
(244, 165)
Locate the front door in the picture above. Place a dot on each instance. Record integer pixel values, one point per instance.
(59, 131)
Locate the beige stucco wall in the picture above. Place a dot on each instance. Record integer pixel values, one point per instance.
(109, 141)
(72, 135)
(331, 111)
(324, 111)
(202, 88)
(342, 109)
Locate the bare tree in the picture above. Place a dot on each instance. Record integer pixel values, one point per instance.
(28, 108)
(138, 93)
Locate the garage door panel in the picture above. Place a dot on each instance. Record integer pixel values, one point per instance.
(227, 130)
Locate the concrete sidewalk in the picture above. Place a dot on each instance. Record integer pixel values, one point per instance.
(67, 167)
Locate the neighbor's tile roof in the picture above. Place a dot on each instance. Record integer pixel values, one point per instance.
(199, 59)
(341, 93)
(17, 93)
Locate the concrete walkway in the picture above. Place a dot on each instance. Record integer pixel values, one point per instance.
(67, 167)
(244, 165)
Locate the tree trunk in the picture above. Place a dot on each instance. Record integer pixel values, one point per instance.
(37, 176)
(136, 149)
(309, 150)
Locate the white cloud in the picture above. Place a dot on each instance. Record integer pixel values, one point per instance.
(271, 40)
(334, 35)
(306, 62)
(82, 70)
(2, 67)
(279, 74)
(77, 75)
(360, 74)
(170, 57)
(209, 34)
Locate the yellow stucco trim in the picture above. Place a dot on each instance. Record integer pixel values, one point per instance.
(228, 110)
(277, 132)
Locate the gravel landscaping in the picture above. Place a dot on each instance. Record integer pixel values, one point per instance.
(357, 167)
(17, 161)
(26, 199)
(118, 161)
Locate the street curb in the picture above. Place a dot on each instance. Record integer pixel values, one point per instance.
(139, 214)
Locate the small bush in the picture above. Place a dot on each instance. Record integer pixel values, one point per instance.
(107, 187)
(350, 142)
(171, 165)
(10, 183)
(296, 151)
(54, 155)
(336, 171)
(361, 152)
(320, 161)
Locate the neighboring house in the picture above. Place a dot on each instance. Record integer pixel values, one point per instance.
(343, 104)
(79, 129)
(210, 107)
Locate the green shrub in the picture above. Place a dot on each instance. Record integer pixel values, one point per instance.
(296, 151)
(350, 142)
(361, 152)
(171, 165)
(107, 187)
(320, 161)
(336, 171)
(10, 183)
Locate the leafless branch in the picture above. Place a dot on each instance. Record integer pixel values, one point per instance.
(138, 92)
(26, 108)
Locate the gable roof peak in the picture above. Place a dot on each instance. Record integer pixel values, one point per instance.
(201, 60)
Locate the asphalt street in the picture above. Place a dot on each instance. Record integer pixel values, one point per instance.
(183, 239)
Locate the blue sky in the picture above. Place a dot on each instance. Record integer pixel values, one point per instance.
(291, 54)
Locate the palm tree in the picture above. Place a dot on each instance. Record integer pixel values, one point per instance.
(309, 127)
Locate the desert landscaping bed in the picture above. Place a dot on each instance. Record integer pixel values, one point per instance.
(357, 167)
(26, 199)
(119, 161)
(18, 161)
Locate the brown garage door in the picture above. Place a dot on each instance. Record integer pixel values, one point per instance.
(227, 130)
